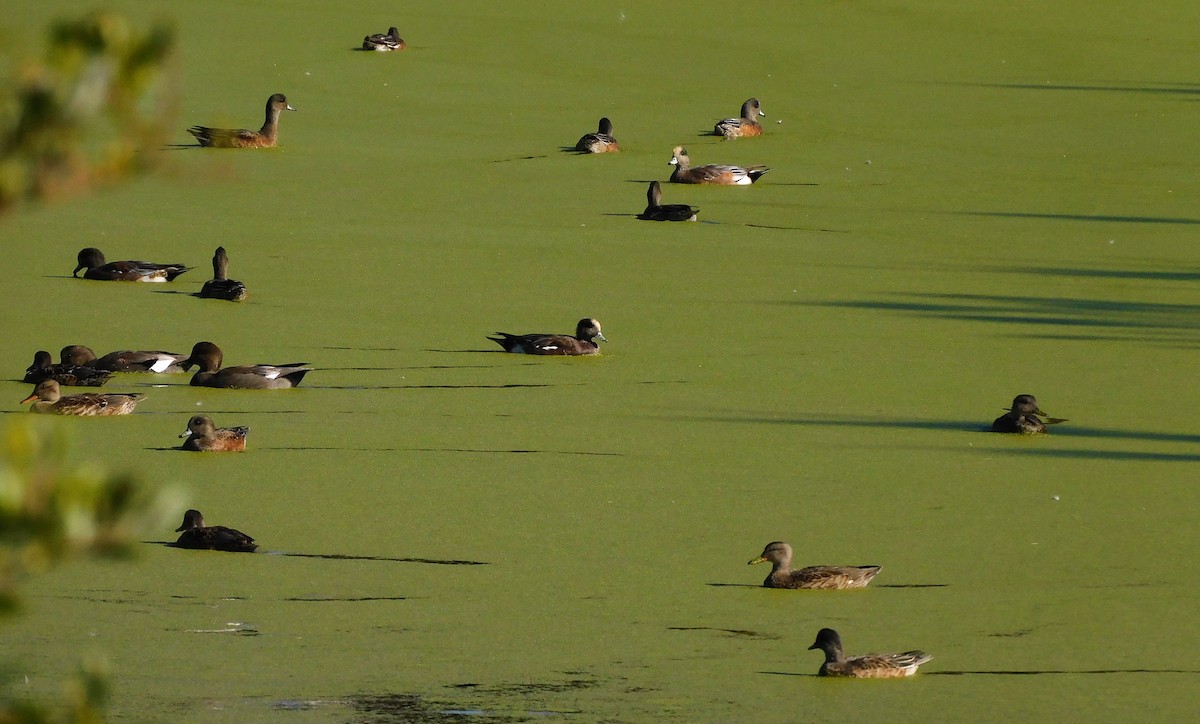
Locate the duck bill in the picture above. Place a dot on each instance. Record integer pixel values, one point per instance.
(289, 107)
(31, 398)
(185, 433)
(760, 559)
(601, 337)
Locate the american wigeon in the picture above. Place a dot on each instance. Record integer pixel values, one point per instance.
(92, 259)
(747, 125)
(384, 42)
(49, 400)
(656, 211)
(212, 537)
(812, 577)
(868, 666)
(208, 357)
(555, 344)
(1022, 417)
(601, 141)
(71, 375)
(221, 286)
(711, 174)
(264, 137)
(203, 436)
(125, 360)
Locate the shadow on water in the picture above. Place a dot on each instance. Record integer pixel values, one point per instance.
(733, 632)
(442, 450)
(1154, 88)
(753, 226)
(848, 421)
(515, 452)
(1061, 672)
(345, 557)
(1192, 275)
(1067, 430)
(1107, 218)
(1134, 319)
(517, 158)
(1108, 455)
(343, 599)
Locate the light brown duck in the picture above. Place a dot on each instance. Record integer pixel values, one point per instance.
(264, 137)
(203, 436)
(714, 174)
(867, 666)
(47, 398)
(779, 554)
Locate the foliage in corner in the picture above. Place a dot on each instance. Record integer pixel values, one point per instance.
(88, 113)
(51, 510)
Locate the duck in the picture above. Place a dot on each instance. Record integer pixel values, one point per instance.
(384, 42)
(711, 174)
(813, 577)
(1023, 418)
(221, 286)
(208, 357)
(196, 535)
(656, 211)
(92, 259)
(125, 360)
(868, 666)
(264, 137)
(746, 125)
(601, 141)
(203, 436)
(47, 398)
(582, 343)
(71, 375)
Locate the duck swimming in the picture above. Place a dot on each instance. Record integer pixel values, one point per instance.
(582, 343)
(221, 286)
(745, 126)
(125, 360)
(714, 174)
(203, 436)
(657, 211)
(196, 535)
(601, 141)
(92, 259)
(1022, 417)
(868, 666)
(779, 554)
(47, 398)
(208, 357)
(71, 375)
(384, 42)
(265, 137)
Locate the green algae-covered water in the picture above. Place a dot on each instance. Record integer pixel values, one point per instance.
(967, 201)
